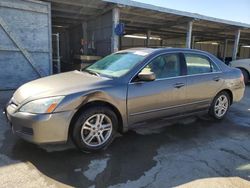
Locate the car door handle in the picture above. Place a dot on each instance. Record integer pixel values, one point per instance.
(179, 85)
(217, 78)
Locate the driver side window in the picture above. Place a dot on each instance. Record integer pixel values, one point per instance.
(165, 66)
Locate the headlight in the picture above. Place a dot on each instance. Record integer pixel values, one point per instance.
(39, 106)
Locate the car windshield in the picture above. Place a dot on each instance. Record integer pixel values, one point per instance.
(116, 65)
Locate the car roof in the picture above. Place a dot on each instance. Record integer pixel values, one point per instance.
(168, 49)
(145, 50)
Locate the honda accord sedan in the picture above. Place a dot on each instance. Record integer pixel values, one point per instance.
(121, 90)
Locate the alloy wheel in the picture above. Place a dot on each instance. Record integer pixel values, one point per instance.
(221, 106)
(96, 130)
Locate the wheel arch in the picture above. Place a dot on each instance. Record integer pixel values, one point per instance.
(243, 68)
(93, 104)
(229, 92)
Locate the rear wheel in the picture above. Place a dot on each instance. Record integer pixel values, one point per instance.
(245, 75)
(220, 105)
(95, 129)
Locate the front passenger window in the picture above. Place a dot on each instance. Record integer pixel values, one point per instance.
(164, 66)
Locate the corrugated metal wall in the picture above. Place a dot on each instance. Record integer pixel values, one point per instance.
(137, 42)
(215, 49)
(25, 42)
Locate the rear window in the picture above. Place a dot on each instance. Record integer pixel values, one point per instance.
(198, 64)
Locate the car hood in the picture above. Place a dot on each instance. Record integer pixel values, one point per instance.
(59, 84)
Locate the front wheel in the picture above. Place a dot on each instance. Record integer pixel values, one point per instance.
(95, 129)
(220, 105)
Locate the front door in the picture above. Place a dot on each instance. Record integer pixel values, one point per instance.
(159, 98)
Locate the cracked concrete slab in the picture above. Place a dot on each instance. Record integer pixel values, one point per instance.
(175, 168)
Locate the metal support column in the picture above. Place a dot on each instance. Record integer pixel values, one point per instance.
(236, 44)
(148, 38)
(193, 42)
(225, 50)
(114, 37)
(120, 43)
(56, 52)
(189, 34)
(162, 42)
(85, 37)
(219, 50)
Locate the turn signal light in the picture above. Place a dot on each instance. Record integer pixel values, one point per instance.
(51, 108)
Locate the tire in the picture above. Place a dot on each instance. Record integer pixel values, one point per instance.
(220, 105)
(95, 129)
(245, 75)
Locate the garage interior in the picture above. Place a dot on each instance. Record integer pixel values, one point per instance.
(84, 28)
(85, 31)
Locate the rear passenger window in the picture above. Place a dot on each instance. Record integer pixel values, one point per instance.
(198, 64)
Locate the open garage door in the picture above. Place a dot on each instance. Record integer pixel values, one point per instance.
(25, 42)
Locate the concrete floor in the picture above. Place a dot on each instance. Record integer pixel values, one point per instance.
(191, 153)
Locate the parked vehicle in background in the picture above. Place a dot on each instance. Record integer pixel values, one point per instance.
(244, 66)
(122, 90)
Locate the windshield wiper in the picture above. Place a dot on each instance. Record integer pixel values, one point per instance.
(92, 72)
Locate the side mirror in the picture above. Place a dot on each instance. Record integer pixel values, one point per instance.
(146, 76)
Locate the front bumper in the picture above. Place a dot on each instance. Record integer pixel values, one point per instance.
(40, 128)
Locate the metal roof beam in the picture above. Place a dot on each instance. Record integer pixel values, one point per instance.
(79, 3)
(74, 17)
(147, 7)
(145, 27)
(212, 36)
(162, 23)
(128, 12)
(71, 11)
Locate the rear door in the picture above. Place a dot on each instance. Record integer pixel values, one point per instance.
(161, 97)
(203, 81)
